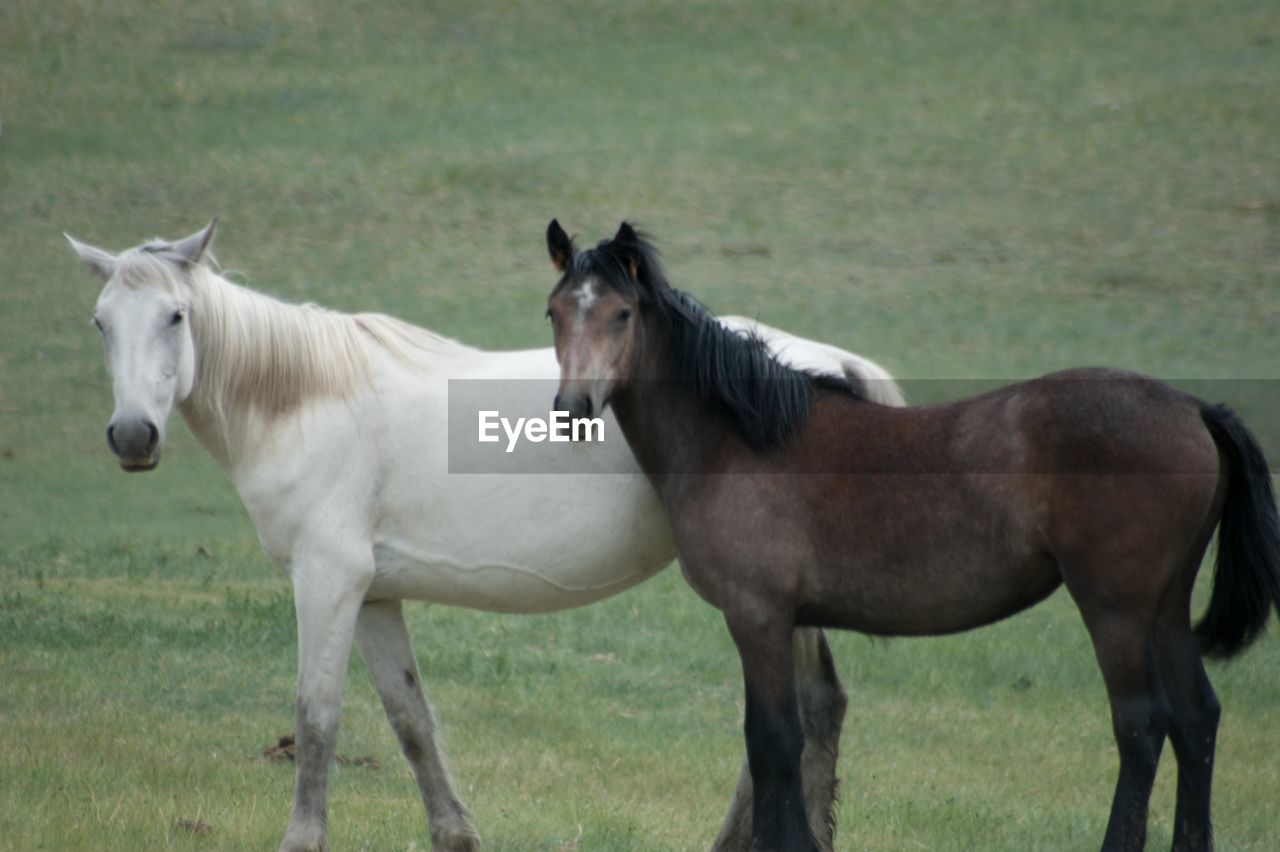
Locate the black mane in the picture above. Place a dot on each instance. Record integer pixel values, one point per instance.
(767, 401)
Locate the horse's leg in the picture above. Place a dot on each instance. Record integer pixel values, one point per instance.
(1139, 718)
(735, 831)
(384, 645)
(822, 707)
(1193, 727)
(327, 592)
(775, 738)
(822, 703)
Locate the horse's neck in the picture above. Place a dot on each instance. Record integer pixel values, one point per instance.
(210, 429)
(671, 429)
(259, 361)
(220, 417)
(214, 421)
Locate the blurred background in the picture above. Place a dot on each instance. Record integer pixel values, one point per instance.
(982, 192)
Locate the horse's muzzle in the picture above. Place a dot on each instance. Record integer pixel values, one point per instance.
(136, 443)
(579, 405)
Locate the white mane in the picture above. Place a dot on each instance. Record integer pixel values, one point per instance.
(258, 358)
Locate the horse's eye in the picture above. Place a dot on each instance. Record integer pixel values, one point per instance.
(176, 318)
(623, 315)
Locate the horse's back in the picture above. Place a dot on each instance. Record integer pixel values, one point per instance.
(1094, 423)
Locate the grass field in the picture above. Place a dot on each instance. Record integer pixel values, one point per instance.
(986, 192)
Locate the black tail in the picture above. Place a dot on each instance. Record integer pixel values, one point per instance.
(1246, 578)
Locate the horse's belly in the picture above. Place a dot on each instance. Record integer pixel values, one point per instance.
(940, 596)
(522, 543)
(528, 585)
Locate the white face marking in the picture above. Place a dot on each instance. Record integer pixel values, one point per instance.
(580, 361)
(588, 293)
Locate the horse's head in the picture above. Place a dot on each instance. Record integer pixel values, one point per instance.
(596, 311)
(142, 314)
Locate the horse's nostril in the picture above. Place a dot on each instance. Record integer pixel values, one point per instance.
(133, 438)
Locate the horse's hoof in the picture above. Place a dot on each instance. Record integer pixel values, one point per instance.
(457, 836)
(305, 841)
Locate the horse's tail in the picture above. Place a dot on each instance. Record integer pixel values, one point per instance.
(1246, 578)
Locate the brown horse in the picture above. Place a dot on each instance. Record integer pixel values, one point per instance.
(795, 501)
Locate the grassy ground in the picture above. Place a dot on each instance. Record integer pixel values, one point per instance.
(986, 192)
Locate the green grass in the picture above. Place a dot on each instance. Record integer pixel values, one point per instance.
(986, 192)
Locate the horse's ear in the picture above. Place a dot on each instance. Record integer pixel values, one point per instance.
(559, 246)
(99, 262)
(190, 249)
(629, 240)
(626, 234)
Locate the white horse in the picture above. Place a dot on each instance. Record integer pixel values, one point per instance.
(333, 429)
